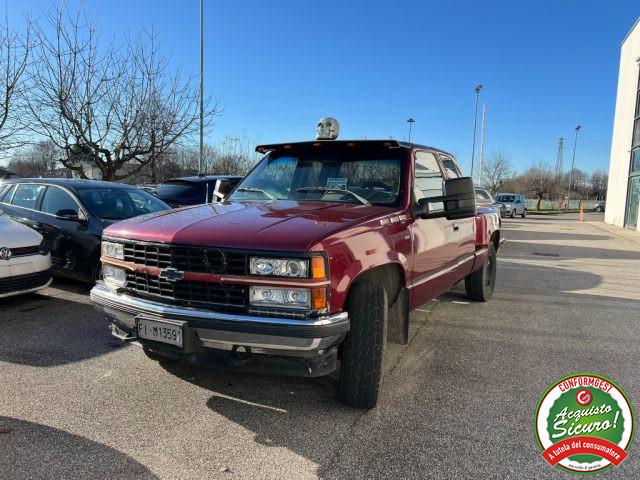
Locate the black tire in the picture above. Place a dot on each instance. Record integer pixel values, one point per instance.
(524, 213)
(479, 285)
(361, 370)
(513, 213)
(96, 272)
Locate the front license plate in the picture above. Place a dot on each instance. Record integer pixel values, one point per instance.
(164, 331)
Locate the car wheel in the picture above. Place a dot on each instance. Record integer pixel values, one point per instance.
(524, 213)
(479, 285)
(96, 272)
(363, 348)
(513, 213)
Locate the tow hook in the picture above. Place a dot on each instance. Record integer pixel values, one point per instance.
(238, 358)
(121, 334)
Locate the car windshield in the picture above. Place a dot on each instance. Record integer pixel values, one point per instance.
(328, 177)
(182, 191)
(506, 198)
(120, 203)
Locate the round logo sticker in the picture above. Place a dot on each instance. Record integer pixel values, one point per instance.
(584, 423)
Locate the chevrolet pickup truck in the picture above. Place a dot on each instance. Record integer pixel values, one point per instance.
(311, 265)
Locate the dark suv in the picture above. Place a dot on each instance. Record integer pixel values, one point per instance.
(71, 215)
(184, 191)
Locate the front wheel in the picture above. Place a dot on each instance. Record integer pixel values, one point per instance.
(363, 348)
(479, 284)
(513, 213)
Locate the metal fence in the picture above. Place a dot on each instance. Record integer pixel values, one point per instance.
(532, 203)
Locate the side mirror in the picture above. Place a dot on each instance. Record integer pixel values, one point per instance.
(222, 189)
(71, 215)
(459, 201)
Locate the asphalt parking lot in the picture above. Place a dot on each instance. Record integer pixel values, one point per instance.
(458, 400)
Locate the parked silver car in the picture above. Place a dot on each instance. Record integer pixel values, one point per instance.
(511, 204)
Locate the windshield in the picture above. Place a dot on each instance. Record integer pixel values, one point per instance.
(506, 198)
(120, 203)
(182, 191)
(328, 177)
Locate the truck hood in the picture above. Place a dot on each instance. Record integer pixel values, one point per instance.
(279, 225)
(15, 235)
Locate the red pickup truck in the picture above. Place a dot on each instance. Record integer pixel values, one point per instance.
(311, 264)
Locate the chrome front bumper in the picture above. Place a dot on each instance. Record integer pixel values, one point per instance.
(224, 331)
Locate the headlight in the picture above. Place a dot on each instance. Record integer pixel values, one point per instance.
(113, 250)
(113, 276)
(280, 297)
(44, 248)
(280, 267)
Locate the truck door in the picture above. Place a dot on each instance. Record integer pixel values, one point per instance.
(435, 241)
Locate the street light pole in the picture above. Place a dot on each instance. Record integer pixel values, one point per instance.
(573, 159)
(410, 121)
(201, 157)
(484, 114)
(475, 124)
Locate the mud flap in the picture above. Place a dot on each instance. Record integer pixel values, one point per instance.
(398, 327)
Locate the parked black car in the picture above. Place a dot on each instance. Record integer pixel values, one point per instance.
(180, 192)
(71, 214)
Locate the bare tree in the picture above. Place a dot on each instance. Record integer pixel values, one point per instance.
(599, 180)
(15, 50)
(496, 170)
(541, 180)
(116, 108)
(37, 160)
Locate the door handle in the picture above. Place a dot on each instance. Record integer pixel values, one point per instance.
(456, 227)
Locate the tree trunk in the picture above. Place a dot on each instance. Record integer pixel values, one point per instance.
(539, 200)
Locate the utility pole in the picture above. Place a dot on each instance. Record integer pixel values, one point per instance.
(573, 159)
(484, 112)
(475, 124)
(559, 157)
(201, 157)
(410, 121)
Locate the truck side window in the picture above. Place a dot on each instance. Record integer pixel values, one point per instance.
(428, 177)
(450, 166)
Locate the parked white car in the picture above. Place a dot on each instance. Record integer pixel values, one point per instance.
(25, 261)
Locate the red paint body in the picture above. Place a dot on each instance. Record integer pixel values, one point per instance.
(433, 254)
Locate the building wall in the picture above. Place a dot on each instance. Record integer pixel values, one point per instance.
(623, 128)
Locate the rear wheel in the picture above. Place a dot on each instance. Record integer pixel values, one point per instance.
(479, 285)
(524, 213)
(363, 348)
(513, 213)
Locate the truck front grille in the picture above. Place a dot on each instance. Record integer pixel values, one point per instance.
(187, 258)
(187, 292)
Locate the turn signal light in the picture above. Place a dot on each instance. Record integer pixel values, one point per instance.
(318, 299)
(318, 268)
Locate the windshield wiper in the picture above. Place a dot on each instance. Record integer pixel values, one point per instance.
(256, 190)
(362, 200)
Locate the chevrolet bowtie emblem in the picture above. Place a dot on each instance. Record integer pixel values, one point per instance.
(171, 275)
